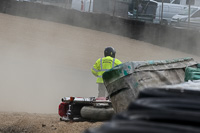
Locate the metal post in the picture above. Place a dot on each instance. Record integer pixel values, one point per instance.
(133, 8)
(189, 14)
(90, 5)
(162, 12)
(82, 5)
(136, 9)
(114, 8)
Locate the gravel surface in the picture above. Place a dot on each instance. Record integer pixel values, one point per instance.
(40, 123)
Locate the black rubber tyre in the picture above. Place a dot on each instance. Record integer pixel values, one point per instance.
(157, 111)
(170, 93)
(142, 127)
(97, 114)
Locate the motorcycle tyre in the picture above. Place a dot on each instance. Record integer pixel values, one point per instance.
(97, 114)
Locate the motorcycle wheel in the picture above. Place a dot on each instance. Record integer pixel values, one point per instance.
(97, 114)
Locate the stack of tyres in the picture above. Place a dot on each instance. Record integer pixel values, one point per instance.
(157, 110)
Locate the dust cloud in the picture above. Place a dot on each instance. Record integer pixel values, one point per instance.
(41, 61)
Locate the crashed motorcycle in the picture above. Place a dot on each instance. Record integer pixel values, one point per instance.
(85, 109)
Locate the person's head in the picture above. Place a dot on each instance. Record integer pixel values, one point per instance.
(109, 51)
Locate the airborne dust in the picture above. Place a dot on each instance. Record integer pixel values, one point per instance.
(41, 61)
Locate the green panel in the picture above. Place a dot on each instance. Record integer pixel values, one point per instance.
(192, 73)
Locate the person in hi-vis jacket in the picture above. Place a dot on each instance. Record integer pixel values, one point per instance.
(102, 65)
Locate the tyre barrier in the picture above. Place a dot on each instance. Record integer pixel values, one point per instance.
(157, 111)
(160, 92)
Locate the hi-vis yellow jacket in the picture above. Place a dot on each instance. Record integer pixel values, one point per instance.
(102, 65)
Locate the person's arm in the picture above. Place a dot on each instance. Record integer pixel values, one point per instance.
(95, 69)
(117, 62)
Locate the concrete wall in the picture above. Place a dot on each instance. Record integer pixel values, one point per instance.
(178, 39)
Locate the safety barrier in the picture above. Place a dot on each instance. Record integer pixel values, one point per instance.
(157, 111)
